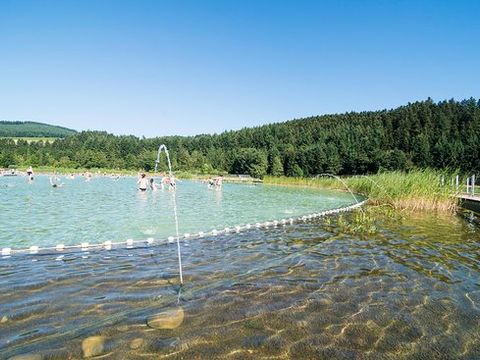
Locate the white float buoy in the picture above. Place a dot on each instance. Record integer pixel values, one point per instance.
(84, 246)
(200, 234)
(60, 247)
(108, 245)
(248, 226)
(129, 243)
(171, 239)
(6, 251)
(186, 235)
(214, 232)
(227, 230)
(237, 228)
(150, 241)
(33, 249)
(258, 225)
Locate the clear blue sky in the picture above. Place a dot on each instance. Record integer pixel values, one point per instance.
(188, 67)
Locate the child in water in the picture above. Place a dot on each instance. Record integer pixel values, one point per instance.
(153, 185)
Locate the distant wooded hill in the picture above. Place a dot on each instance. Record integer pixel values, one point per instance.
(425, 134)
(32, 129)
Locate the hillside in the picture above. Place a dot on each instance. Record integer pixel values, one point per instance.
(32, 129)
(425, 134)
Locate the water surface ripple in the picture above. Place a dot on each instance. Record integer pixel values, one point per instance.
(106, 210)
(307, 291)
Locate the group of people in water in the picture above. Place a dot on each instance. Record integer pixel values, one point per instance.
(144, 183)
(215, 183)
(167, 182)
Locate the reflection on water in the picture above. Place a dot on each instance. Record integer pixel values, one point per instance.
(307, 291)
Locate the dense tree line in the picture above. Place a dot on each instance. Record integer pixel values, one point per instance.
(421, 134)
(32, 129)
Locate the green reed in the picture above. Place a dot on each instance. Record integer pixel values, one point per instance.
(416, 190)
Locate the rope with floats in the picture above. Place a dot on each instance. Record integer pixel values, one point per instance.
(130, 243)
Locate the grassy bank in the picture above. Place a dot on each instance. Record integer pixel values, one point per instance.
(418, 190)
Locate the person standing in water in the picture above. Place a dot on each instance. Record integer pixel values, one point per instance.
(172, 183)
(153, 185)
(218, 182)
(142, 182)
(30, 174)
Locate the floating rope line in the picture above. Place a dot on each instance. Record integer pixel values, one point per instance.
(130, 243)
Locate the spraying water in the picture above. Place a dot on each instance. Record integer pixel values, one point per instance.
(343, 182)
(170, 173)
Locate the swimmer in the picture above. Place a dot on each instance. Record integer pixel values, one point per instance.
(54, 181)
(210, 183)
(153, 185)
(142, 183)
(215, 183)
(171, 182)
(30, 174)
(218, 182)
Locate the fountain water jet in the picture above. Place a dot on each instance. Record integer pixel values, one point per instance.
(170, 173)
(343, 182)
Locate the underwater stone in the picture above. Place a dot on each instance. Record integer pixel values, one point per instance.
(169, 319)
(136, 343)
(93, 346)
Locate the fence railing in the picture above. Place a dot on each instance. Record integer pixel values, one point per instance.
(459, 182)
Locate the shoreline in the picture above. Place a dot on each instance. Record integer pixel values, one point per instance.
(417, 190)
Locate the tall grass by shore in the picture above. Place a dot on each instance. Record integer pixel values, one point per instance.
(418, 190)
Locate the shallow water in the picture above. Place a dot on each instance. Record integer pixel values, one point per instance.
(104, 209)
(306, 291)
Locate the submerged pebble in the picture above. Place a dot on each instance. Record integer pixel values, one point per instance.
(169, 319)
(93, 346)
(136, 343)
